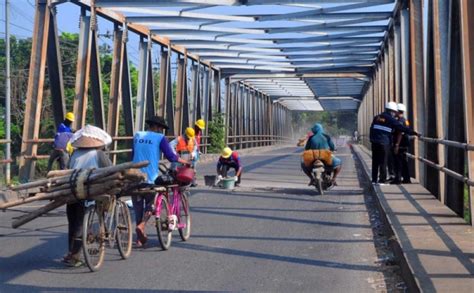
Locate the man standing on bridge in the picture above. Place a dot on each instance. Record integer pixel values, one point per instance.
(381, 132)
(401, 144)
(148, 146)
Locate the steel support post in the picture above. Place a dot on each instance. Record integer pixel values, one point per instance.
(96, 80)
(254, 117)
(405, 56)
(164, 68)
(467, 38)
(456, 158)
(228, 95)
(150, 87)
(142, 91)
(179, 126)
(82, 71)
(208, 106)
(55, 71)
(126, 93)
(34, 94)
(391, 69)
(198, 96)
(386, 74)
(217, 91)
(115, 88)
(8, 94)
(194, 89)
(397, 61)
(417, 100)
(431, 149)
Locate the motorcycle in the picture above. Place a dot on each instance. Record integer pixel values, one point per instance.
(322, 176)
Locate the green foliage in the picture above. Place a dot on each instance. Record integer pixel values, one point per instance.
(216, 133)
(334, 123)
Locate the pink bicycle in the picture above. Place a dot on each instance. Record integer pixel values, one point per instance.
(170, 210)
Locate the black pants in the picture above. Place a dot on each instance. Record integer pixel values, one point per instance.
(75, 217)
(391, 161)
(380, 155)
(224, 169)
(141, 204)
(58, 155)
(401, 166)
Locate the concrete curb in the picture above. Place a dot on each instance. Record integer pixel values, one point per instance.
(394, 243)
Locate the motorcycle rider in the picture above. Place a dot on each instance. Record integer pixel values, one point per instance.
(322, 143)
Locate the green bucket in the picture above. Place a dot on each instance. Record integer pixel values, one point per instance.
(228, 183)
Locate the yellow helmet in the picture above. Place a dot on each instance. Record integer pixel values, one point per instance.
(201, 124)
(69, 116)
(190, 132)
(226, 152)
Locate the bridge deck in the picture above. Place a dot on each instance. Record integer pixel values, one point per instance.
(272, 234)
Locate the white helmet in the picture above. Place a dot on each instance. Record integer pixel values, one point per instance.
(402, 108)
(391, 106)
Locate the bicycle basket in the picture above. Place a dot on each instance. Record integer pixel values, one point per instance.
(184, 175)
(165, 179)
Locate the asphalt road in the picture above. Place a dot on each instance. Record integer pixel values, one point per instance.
(273, 234)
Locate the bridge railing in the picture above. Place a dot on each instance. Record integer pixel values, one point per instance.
(449, 172)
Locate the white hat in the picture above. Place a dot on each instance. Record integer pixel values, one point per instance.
(391, 106)
(90, 137)
(401, 107)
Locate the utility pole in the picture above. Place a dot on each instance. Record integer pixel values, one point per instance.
(7, 94)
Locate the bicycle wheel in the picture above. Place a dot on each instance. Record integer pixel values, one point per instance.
(162, 229)
(93, 238)
(123, 229)
(184, 216)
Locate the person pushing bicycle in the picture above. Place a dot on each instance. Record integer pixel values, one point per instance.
(148, 146)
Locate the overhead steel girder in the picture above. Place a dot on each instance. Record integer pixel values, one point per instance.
(324, 14)
(170, 28)
(346, 37)
(151, 3)
(319, 28)
(186, 14)
(335, 60)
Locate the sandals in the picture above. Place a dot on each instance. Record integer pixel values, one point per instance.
(141, 237)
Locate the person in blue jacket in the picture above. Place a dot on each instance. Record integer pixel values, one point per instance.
(61, 140)
(321, 141)
(148, 146)
(381, 132)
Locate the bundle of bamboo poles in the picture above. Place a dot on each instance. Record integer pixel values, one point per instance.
(68, 186)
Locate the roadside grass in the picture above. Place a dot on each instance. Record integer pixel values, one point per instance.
(467, 207)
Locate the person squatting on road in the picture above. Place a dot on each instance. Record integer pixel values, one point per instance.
(61, 145)
(401, 144)
(148, 146)
(381, 132)
(229, 160)
(320, 147)
(89, 143)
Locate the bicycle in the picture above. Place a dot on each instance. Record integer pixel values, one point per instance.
(169, 210)
(107, 220)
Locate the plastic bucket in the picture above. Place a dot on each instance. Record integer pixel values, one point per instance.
(228, 183)
(209, 180)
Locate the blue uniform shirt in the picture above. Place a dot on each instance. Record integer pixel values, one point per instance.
(148, 146)
(383, 126)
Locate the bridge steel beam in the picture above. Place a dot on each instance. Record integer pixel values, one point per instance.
(467, 39)
(34, 94)
(417, 101)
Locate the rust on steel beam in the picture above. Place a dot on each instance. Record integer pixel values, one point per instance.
(467, 38)
(34, 94)
(405, 56)
(417, 80)
(82, 71)
(115, 88)
(96, 83)
(55, 71)
(180, 89)
(164, 65)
